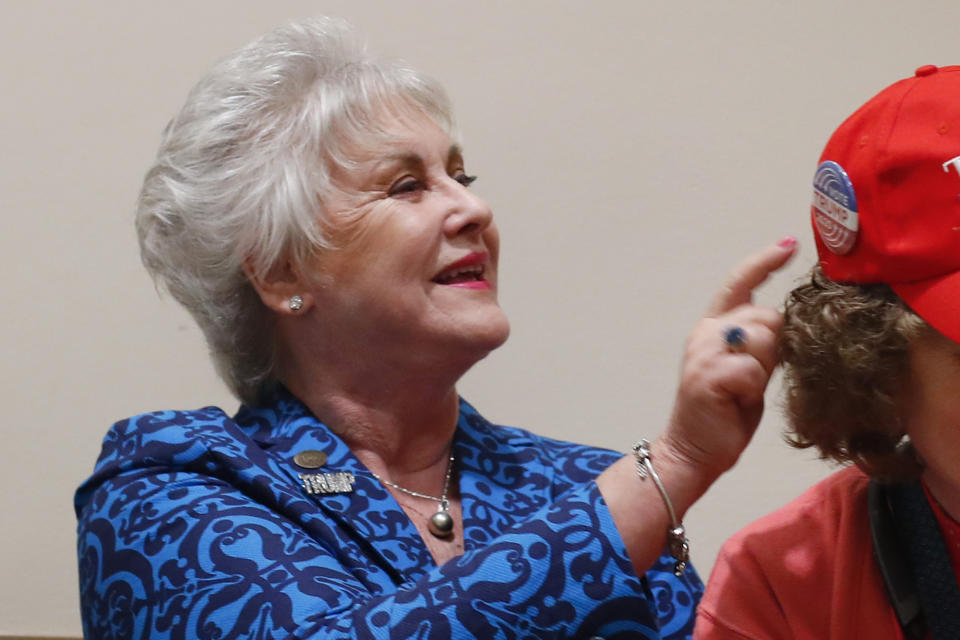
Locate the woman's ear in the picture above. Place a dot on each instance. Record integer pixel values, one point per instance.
(281, 289)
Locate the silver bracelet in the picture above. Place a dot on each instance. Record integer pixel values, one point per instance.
(677, 540)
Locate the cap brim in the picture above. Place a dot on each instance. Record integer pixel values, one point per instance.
(936, 300)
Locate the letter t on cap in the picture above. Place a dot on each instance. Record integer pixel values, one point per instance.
(952, 162)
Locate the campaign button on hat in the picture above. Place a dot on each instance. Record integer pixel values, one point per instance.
(925, 70)
(834, 208)
(310, 459)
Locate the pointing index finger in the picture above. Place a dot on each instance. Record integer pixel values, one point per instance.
(750, 274)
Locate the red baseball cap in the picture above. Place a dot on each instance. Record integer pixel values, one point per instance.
(886, 196)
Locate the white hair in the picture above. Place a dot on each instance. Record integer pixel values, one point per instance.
(242, 171)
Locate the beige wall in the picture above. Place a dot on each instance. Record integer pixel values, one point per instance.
(632, 151)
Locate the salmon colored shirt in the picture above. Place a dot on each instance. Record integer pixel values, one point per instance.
(804, 572)
(807, 571)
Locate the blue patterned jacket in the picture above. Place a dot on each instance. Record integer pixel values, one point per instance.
(196, 525)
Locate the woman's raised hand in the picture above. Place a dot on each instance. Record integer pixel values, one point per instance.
(720, 399)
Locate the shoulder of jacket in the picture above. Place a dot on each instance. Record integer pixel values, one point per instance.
(169, 437)
(568, 460)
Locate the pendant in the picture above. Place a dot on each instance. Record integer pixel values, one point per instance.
(441, 524)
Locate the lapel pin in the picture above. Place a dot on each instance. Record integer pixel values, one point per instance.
(310, 459)
(324, 483)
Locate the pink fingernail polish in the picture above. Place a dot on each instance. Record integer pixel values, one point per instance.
(788, 242)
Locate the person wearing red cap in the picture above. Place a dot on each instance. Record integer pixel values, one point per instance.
(871, 352)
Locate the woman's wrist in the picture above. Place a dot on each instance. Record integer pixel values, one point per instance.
(638, 507)
(677, 542)
(684, 478)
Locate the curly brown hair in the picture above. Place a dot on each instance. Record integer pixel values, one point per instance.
(845, 351)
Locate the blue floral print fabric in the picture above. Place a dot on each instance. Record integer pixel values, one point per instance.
(195, 525)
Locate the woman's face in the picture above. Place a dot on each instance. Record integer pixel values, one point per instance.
(417, 276)
(933, 409)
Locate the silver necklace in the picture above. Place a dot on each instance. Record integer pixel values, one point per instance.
(440, 523)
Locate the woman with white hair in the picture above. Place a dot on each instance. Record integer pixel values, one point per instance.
(310, 207)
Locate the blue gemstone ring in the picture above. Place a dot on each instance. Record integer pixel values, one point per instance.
(736, 338)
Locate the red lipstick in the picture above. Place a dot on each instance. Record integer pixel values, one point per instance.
(467, 272)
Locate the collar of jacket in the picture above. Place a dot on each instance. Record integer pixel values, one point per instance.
(502, 480)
